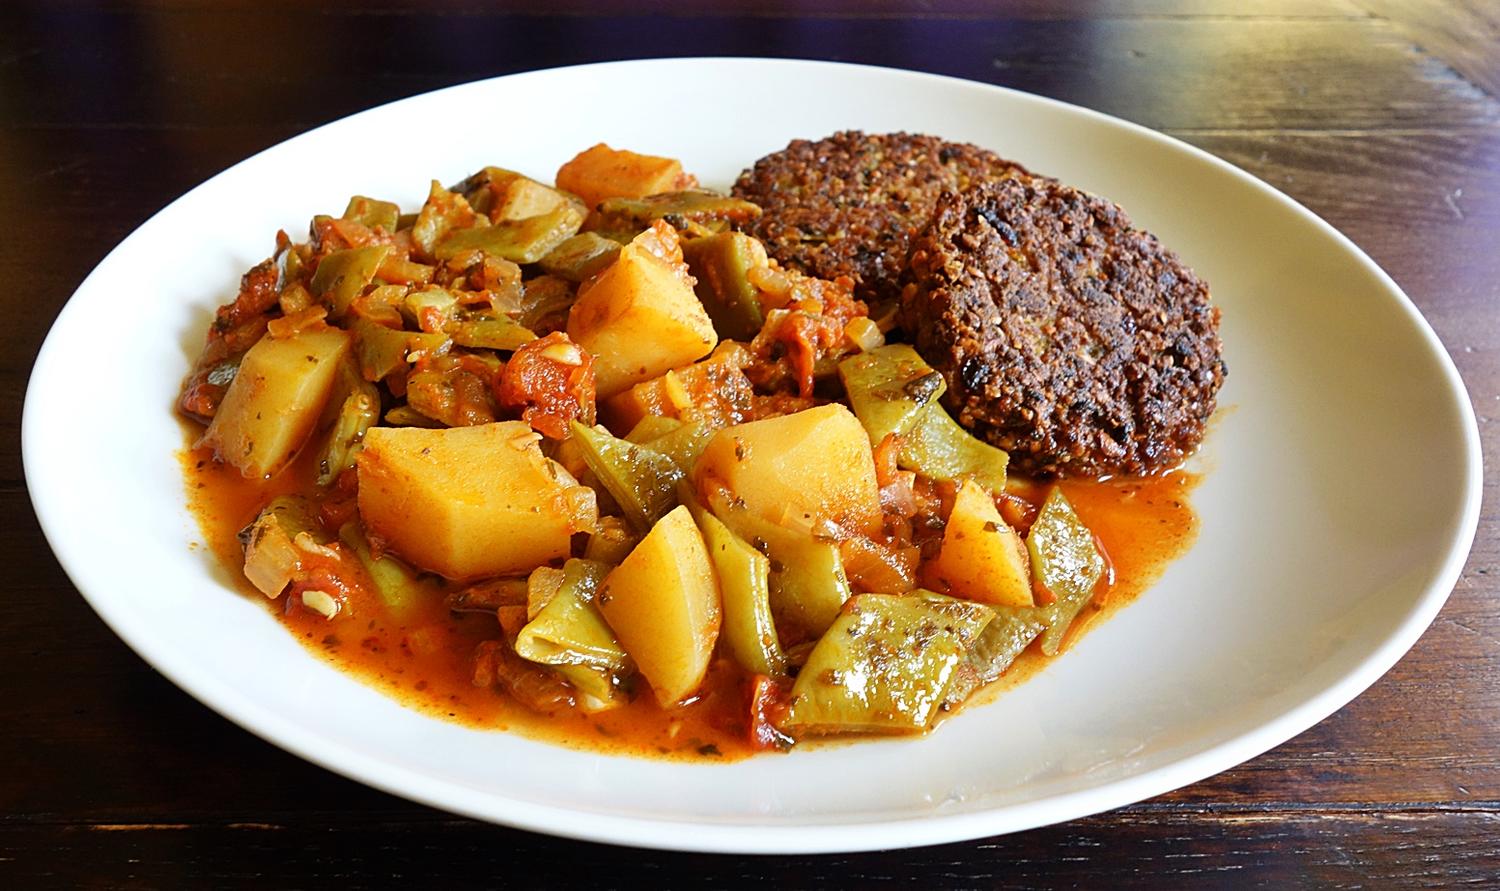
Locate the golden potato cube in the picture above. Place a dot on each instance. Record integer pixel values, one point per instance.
(982, 558)
(519, 197)
(469, 502)
(662, 603)
(640, 316)
(601, 172)
(799, 470)
(275, 399)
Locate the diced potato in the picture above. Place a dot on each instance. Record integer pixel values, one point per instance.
(469, 502)
(982, 558)
(801, 470)
(602, 172)
(516, 197)
(275, 400)
(640, 317)
(663, 604)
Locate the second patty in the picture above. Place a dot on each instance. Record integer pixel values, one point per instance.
(1069, 338)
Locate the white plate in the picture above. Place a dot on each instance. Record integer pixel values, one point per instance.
(1341, 500)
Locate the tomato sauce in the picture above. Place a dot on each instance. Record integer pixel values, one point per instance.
(422, 656)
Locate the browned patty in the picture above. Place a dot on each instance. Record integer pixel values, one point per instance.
(1069, 338)
(849, 204)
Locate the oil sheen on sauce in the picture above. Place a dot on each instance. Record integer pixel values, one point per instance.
(422, 656)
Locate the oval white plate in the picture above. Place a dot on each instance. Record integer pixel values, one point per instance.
(1341, 498)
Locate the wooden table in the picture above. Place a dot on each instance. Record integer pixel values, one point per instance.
(1381, 116)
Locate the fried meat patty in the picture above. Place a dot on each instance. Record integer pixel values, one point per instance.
(1070, 339)
(849, 204)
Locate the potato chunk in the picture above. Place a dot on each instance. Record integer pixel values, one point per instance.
(469, 502)
(801, 470)
(982, 558)
(663, 605)
(640, 316)
(602, 172)
(276, 399)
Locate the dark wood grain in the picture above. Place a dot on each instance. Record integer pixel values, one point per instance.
(1379, 115)
(1430, 848)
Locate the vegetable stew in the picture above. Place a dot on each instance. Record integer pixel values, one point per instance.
(595, 468)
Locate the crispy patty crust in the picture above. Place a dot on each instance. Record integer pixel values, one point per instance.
(849, 204)
(1072, 340)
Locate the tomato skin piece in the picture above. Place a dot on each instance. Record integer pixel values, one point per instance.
(551, 380)
(769, 700)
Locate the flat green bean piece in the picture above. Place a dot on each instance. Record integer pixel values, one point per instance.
(570, 630)
(373, 213)
(650, 427)
(888, 389)
(443, 211)
(544, 296)
(744, 586)
(381, 350)
(1065, 561)
(721, 264)
(579, 257)
(643, 481)
(342, 275)
(520, 241)
(397, 585)
(498, 333)
(685, 443)
(696, 209)
(886, 663)
(938, 448)
(808, 584)
(997, 647)
(430, 308)
(356, 408)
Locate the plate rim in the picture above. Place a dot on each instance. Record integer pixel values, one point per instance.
(808, 836)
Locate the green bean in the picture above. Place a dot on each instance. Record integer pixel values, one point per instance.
(342, 275)
(938, 448)
(889, 387)
(372, 213)
(744, 588)
(395, 583)
(520, 241)
(721, 264)
(355, 407)
(579, 257)
(1065, 561)
(886, 664)
(641, 480)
